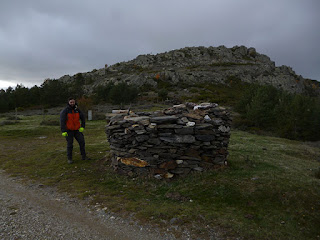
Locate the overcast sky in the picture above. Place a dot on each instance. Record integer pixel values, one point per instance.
(48, 39)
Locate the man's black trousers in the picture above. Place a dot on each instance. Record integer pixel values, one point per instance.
(80, 139)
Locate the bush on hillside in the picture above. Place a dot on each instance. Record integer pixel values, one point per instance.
(102, 93)
(116, 94)
(163, 94)
(123, 93)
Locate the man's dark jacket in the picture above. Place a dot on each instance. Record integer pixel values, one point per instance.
(70, 119)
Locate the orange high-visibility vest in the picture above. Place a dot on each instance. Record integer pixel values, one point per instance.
(73, 121)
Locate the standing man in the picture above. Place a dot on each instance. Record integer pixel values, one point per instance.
(71, 127)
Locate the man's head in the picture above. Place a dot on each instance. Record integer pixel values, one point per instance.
(71, 102)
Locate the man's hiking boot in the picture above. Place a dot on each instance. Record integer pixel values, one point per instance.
(70, 161)
(86, 158)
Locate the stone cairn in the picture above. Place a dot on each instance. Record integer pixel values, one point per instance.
(169, 143)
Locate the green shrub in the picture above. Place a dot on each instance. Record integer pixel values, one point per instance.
(123, 93)
(102, 93)
(163, 94)
(194, 90)
(146, 87)
(163, 84)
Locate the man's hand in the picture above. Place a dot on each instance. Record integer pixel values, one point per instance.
(64, 134)
(81, 129)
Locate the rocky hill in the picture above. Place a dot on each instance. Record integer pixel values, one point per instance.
(191, 65)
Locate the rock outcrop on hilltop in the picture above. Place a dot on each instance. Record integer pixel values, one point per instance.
(192, 65)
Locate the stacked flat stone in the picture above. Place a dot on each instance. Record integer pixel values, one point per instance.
(168, 143)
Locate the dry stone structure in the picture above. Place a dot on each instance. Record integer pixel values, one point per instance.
(168, 143)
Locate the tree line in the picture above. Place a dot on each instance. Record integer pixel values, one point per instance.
(54, 93)
(264, 108)
(293, 116)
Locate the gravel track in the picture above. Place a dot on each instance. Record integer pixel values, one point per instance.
(34, 211)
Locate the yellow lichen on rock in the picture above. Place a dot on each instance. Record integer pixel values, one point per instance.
(133, 161)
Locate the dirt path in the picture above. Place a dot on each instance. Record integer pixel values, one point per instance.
(33, 211)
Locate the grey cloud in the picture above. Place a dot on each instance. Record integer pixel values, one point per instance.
(48, 39)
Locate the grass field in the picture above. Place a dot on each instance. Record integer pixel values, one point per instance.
(269, 190)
